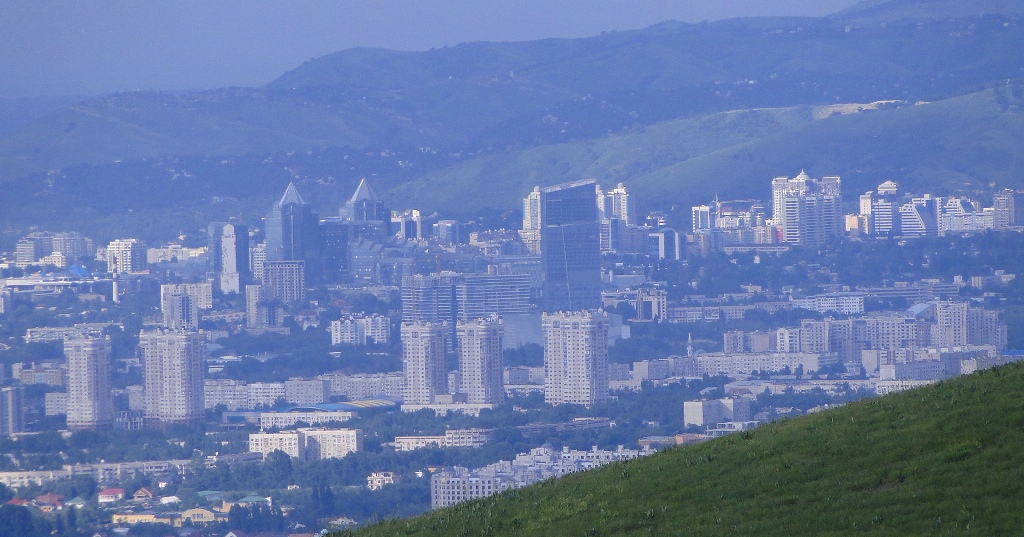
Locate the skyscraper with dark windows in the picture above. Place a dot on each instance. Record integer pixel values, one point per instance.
(292, 230)
(570, 245)
(372, 217)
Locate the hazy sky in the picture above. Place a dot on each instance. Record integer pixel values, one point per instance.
(51, 47)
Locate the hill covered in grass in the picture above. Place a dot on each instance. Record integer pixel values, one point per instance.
(940, 460)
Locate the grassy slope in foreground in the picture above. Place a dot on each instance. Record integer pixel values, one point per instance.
(941, 460)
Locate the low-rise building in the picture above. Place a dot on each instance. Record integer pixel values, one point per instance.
(451, 438)
(377, 480)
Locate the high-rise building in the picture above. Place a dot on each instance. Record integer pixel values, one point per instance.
(229, 255)
(951, 324)
(179, 312)
(361, 330)
(173, 375)
(126, 255)
(480, 360)
(12, 410)
(807, 211)
(292, 230)
(34, 247)
(73, 246)
(530, 234)
(616, 204)
(408, 225)
(880, 210)
(920, 217)
(575, 357)
(448, 297)
(261, 311)
(447, 232)
(570, 244)
(423, 360)
(336, 234)
(89, 402)
(369, 212)
(257, 257)
(1008, 208)
(285, 281)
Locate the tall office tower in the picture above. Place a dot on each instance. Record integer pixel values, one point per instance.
(530, 234)
(617, 204)
(480, 360)
(292, 230)
(1008, 209)
(408, 225)
(423, 360)
(73, 246)
(126, 255)
(12, 410)
(173, 376)
(89, 402)
(257, 258)
(366, 208)
(285, 281)
(575, 357)
(448, 296)
(447, 232)
(179, 311)
(336, 233)
(807, 211)
(570, 245)
(229, 255)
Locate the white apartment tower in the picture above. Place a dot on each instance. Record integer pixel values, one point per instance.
(423, 360)
(126, 255)
(616, 204)
(807, 211)
(575, 357)
(530, 234)
(480, 360)
(89, 404)
(173, 375)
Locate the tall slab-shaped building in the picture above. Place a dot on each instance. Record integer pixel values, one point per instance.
(570, 246)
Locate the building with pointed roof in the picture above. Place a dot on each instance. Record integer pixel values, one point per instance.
(366, 206)
(292, 229)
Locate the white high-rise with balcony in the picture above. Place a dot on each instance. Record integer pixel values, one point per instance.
(575, 357)
(480, 360)
(89, 404)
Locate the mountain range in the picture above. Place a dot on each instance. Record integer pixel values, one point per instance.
(925, 92)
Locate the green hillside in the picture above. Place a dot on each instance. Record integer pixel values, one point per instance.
(941, 460)
(963, 145)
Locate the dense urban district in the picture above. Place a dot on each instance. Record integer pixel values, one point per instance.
(310, 373)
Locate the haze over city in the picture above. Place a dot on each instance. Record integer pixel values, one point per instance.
(69, 48)
(511, 268)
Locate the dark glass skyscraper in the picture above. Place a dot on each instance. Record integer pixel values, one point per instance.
(292, 230)
(570, 246)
